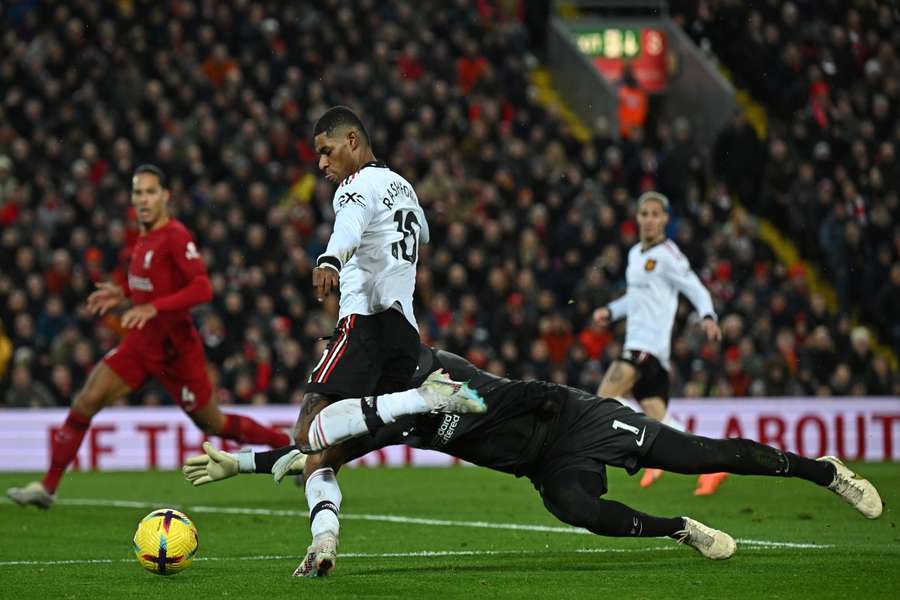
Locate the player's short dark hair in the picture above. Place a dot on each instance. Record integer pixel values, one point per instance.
(153, 170)
(340, 116)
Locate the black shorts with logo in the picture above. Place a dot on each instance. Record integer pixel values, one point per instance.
(653, 379)
(594, 432)
(367, 355)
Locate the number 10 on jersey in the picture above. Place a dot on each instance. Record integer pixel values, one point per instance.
(408, 246)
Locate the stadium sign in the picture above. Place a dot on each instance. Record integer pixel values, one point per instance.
(609, 48)
(161, 438)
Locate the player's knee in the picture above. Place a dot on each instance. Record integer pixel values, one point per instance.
(301, 429)
(312, 404)
(565, 505)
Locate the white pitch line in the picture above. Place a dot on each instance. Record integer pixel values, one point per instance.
(236, 510)
(419, 554)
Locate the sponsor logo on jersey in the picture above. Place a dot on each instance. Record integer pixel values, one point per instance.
(650, 264)
(446, 430)
(188, 398)
(140, 283)
(190, 251)
(350, 197)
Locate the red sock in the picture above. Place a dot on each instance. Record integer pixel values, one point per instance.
(63, 448)
(247, 431)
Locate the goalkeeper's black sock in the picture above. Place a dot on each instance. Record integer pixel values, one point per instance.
(691, 454)
(817, 471)
(266, 460)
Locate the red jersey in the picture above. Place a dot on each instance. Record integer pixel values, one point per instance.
(167, 270)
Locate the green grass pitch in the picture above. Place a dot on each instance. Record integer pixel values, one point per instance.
(455, 535)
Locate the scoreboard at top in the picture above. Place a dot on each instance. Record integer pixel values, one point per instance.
(610, 48)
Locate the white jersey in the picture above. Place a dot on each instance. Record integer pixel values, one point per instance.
(378, 227)
(654, 277)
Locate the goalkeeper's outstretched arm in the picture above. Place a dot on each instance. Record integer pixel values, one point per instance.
(216, 465)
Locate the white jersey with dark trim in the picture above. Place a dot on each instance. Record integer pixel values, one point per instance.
(655, 276)
(378, 227)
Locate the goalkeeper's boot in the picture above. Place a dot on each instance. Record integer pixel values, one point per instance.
(709, 542)
(708, 483)
(854, 489)
(444, 395)
(33, 494)
(650, 476)
(321, 557)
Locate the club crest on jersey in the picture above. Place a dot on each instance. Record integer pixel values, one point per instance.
(148, 256)
(650, 264)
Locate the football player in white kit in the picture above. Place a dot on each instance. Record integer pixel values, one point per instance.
(371, 259)
(657, 271)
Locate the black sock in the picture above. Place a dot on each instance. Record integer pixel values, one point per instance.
(266, 460)
(691, 454)
(616, 519)
(659, 526)
(817, 471)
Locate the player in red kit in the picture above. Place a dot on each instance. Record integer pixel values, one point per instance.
(166, 278)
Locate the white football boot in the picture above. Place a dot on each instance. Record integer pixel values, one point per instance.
(854, 489)
(709, 542)
(32, 494)
(444, 395)
(321, 557)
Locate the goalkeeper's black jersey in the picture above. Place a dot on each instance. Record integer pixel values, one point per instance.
(509, 437)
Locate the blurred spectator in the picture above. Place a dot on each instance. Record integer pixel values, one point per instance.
(633, 103)
(530, 226)
(25, 392)
(6, 351)
(859, 357)
(831, 87)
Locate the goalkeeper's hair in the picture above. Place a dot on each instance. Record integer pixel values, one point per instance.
(340, 116)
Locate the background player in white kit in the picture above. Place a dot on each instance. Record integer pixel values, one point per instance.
(657, 271)
(371, 258)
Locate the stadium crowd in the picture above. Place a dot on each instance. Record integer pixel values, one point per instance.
(827, 174)
(530, 227)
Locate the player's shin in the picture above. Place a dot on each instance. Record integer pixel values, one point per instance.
(64, 447)
(324, 498)
(323, 495)
(691, 454)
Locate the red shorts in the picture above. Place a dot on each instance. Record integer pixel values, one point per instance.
(182, 374)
